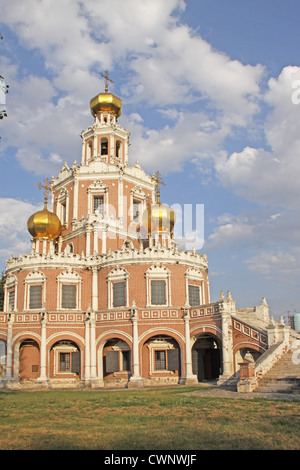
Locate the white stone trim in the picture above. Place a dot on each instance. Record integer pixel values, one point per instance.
(97, 189)
(71, 278)
(159, 273)
(11, 282)
(193, 274)
(117, 275)
(34, 278)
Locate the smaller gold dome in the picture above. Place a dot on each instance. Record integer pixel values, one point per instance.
(106, 102)
(44, 225)
(159, 218)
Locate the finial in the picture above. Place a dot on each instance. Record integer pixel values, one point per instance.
(47, 187)
(107, 79)
(158, 180)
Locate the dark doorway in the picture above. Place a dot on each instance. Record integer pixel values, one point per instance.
(206, 358)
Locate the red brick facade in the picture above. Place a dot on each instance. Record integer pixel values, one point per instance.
(106, 304)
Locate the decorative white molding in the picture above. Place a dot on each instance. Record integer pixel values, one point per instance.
(118, 274)
(34, 278)
(68, 277)
(159, 273)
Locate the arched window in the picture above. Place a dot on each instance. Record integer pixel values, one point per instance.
(104, 146)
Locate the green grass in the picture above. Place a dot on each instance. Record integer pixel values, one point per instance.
(160, 419)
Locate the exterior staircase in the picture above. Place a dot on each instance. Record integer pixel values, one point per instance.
(283, 377)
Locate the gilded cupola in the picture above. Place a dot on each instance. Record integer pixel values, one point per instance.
(106, 102)
(158, 218)
(44, 224)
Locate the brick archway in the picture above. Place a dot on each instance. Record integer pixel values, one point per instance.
(207, 356)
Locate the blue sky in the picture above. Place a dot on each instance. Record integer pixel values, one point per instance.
(209, 91)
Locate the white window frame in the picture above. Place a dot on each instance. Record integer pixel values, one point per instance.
(159, 344)
(138, 195)
(193, 274)
(97, 189)
(11, 284)
(117, 275)
(63, 206)
(158, 273)
(63, 348)
(34, 278)
(70, 278)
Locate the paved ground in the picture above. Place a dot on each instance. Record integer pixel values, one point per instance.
(215, 391)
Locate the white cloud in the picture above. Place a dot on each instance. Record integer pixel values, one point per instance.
(271, 175)
(14, 238)
(165, 63)
(276, 264)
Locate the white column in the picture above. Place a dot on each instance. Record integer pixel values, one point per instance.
(88, 241)
(75, 202)
(87, 365)
(95, 146)
(43, 363)
(95, 288)
(83, 152)
(121, 202)
(8, 374)
(93, 377)
(189, 376)
(104, 236)
(226, 346)
(95, 240)
(112, 145)
(135, 380)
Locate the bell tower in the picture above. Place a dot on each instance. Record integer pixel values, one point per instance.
(105, 140)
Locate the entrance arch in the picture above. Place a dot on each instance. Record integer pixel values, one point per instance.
(161, 359)
(206, 357)
(65, 360)
(29, 360)
(116, 359)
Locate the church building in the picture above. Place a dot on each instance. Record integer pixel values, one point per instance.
(105, 298)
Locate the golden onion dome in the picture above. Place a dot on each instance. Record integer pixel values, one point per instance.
(44, 225)
(159, 218)
(106, 102)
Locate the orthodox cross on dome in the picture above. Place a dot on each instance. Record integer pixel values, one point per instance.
(159, 181)
(107, 79)
(46, 186)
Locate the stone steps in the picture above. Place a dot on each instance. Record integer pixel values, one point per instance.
(284, 377)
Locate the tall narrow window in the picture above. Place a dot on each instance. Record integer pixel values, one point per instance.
(68, 296)
(63, 214)
(11, 299)
(194, 295)
(98, 205)
(35, 297)
(158, 292)
(104, 146)
(119, 298)
(118, 149)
